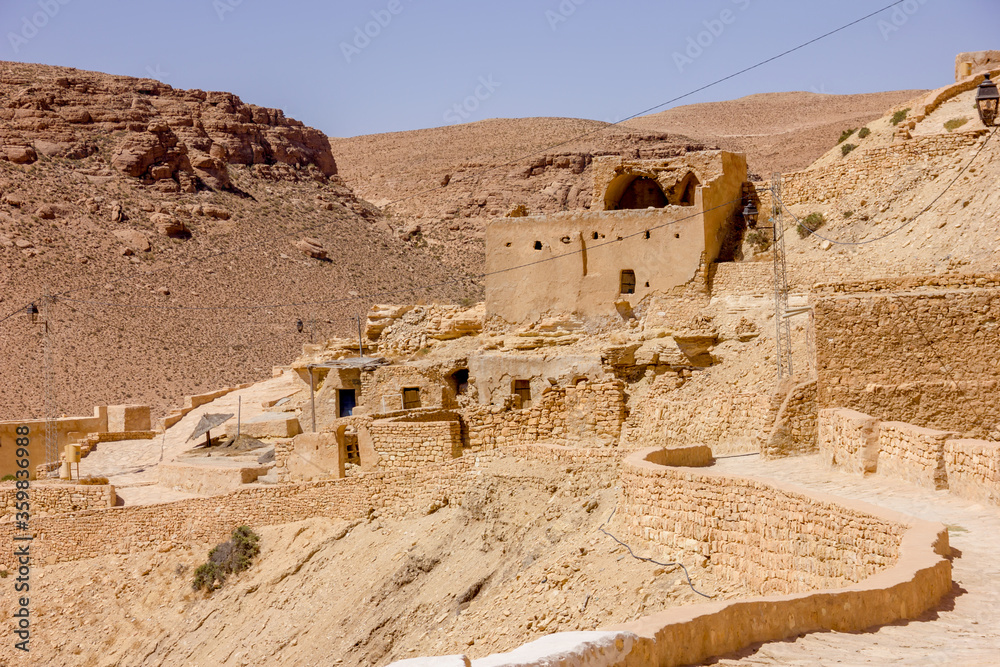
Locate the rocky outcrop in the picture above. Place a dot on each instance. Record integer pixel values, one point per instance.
(175, 140)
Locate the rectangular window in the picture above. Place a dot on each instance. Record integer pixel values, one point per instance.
(411, 398)
(522, 388)
(628, 282)
(348, 401)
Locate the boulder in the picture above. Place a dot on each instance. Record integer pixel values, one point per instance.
(312, 248)
(133, 239)
(168, 226)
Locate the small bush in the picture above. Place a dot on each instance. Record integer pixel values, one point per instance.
(758, 239)
(955, 123)
(900, 116)
(844, 135)
(230, 557)
(847, 148)
(8, 478)
(848, 214)
(810, 224)
(4, 574)
(92, 481)
(863, 132)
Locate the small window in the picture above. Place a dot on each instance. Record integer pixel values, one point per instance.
(628, 282)
(538, 245)
(411, 398)
(647, 234)
(596, 236)
(507, 245)
(522, 388)
(677, 236)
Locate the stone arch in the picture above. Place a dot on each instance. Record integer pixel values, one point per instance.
(685, 190)
(634, 191)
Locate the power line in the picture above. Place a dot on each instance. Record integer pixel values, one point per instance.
(406, 290)
(563, 143)
(908, 222)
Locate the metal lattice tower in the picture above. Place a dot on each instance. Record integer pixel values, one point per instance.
(48, 406)
(783, 329)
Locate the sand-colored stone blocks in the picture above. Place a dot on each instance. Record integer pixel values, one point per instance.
(849, 439)
(209, 477)
(267, 425)
(973, 468)
(123, 418)
(913, 453)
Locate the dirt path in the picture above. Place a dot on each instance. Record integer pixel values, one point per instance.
(964, 630)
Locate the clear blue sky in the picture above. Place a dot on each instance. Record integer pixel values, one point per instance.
(582, 58)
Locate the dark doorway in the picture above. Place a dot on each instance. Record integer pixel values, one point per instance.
(348, 401)
(411, 398)
(461, 380)
(522, 388)
(643, 192)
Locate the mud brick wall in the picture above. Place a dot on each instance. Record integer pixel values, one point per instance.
(773, 540)
(930, 358)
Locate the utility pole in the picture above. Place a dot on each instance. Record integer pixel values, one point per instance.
(783, 329)
(361, 345)
(48, 401)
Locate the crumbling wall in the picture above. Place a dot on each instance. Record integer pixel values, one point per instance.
(730, 422)
(795, 430)
(587, 413)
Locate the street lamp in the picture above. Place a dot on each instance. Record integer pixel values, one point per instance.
(987, 99)
(750, 214)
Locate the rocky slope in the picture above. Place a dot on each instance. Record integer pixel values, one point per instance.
(150, 211)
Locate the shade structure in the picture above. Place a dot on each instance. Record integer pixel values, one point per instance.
(207, 423)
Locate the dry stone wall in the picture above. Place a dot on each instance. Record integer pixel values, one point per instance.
(930, 357)
(586, 414)
(411, 445)
(48, 499)
(795, 430)
(729, 422)
(973, 468)
(770, 539)
(862, 444)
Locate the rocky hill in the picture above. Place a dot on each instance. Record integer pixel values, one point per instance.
(778, 131)
(149, 210)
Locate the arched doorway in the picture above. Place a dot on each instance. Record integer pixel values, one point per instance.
(642, 192)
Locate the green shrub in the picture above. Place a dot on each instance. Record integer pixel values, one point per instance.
(8, 478)
(847, 148)
(863, 132)
(900, 116)
(230, 557)
(758, 239)
(810, 224)
(844, 135)
(955, 123)
(848, 214)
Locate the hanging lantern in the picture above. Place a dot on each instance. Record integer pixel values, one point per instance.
(750, 214)
(987, 99)
(32, 312)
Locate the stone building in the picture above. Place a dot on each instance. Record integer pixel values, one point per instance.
(655, 228)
